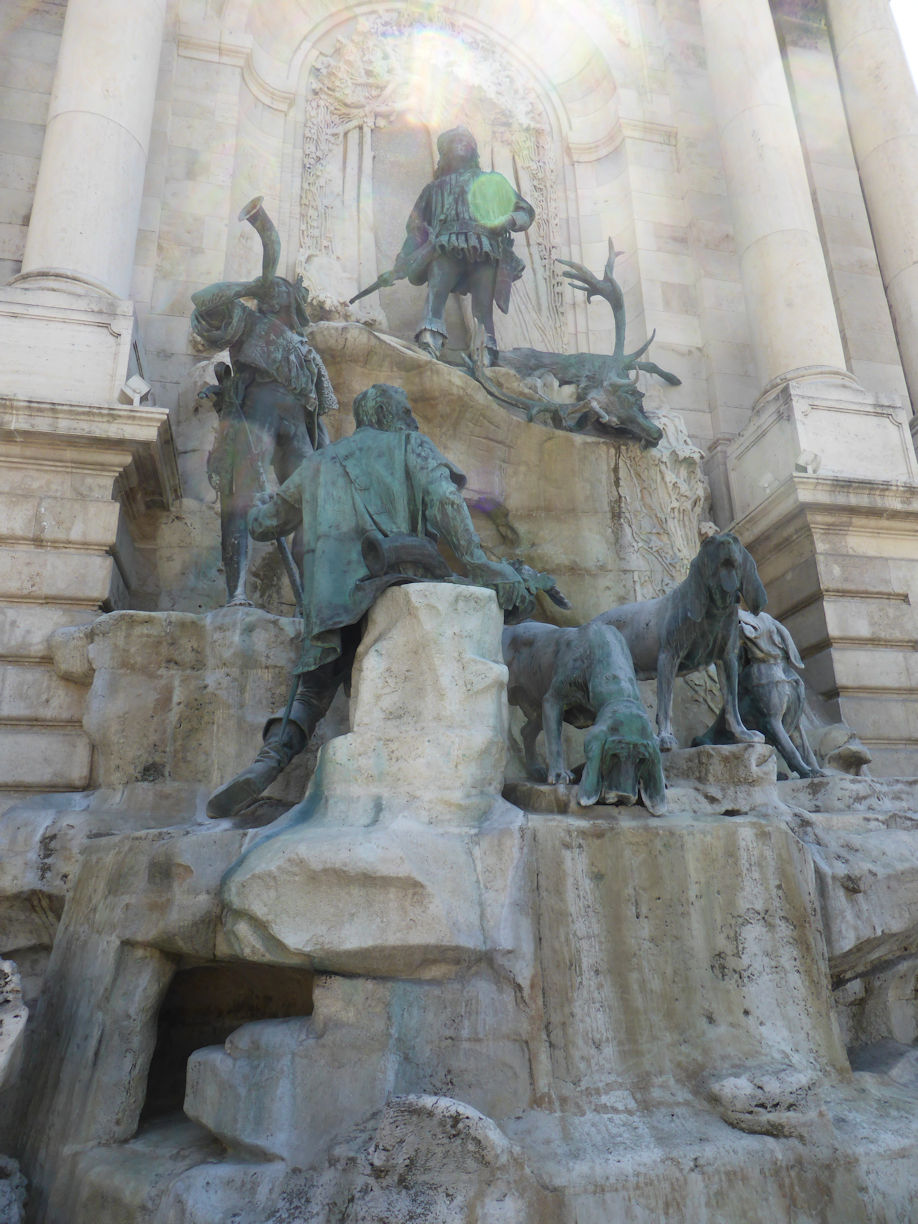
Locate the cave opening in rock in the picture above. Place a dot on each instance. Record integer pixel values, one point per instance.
(202, 1006)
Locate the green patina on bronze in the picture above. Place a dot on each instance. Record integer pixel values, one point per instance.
(271, 402)
(385, 480)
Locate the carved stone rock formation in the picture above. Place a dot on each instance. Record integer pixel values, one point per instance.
(552, 1016)
(176, 696)
(13, 1016)
(13, 1192)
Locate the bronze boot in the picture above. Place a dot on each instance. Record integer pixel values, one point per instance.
(272, 760)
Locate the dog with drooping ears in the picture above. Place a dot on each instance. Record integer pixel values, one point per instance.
(692, 626)
(584, 676)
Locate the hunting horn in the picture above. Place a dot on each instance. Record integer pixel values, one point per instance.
(254, 213)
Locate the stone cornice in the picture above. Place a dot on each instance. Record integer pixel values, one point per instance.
(134, 442)
(586, 150)
(238, 54)
(890, 507)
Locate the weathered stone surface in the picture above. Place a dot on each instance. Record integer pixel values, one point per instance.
(727, 779)
(668, 954)
(397, 901)
(892, 1061)
(179, 697)
(13, 1016)
(866, 863)
(728, 966)
(426, 1160)
(296, 1061)
(840, 793)
(429, 751)
(770, 1100)
(173, 1171)
(540, 797)
(13, 1192)
(434, 743)
(94, 1028)
(555, 986)
(709, 781)
(722, 765)
(43, 838)
(724, 976)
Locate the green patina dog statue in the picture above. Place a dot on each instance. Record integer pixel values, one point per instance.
(585, 677)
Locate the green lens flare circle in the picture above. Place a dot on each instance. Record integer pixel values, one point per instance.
(491, 200)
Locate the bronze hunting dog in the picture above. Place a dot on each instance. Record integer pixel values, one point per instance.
(692, 626)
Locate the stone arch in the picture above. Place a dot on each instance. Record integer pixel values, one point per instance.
(574, 63)
(368, 81)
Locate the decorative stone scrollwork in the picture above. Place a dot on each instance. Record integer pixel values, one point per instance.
(370, 81)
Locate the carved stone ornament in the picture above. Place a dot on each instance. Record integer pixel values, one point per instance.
(367, 83)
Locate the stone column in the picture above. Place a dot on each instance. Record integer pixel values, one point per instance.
(87, 200)
(882, 108)
(788, 295)
(73, 424)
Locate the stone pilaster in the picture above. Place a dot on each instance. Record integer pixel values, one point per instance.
(83, 226)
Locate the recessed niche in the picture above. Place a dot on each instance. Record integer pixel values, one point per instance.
(202, 1006)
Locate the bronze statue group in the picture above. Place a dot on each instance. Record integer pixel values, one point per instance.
(366, 512)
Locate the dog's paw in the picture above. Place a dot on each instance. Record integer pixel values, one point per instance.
(667, 741)
(559, 777)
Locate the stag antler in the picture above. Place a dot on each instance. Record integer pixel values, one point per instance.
(609, 289)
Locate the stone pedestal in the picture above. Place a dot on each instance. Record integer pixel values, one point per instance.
(819, 423)
(388, 809)
(825, 490)
(431, 744)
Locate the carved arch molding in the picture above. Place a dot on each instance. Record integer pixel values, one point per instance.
(367, 84)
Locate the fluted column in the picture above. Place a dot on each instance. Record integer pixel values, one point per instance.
(882, 109)
(788, 295)
(86, 209)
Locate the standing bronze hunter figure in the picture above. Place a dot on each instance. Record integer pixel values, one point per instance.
(458, 241)
(271, 402)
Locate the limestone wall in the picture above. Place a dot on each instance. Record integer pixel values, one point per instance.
(610, 117)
